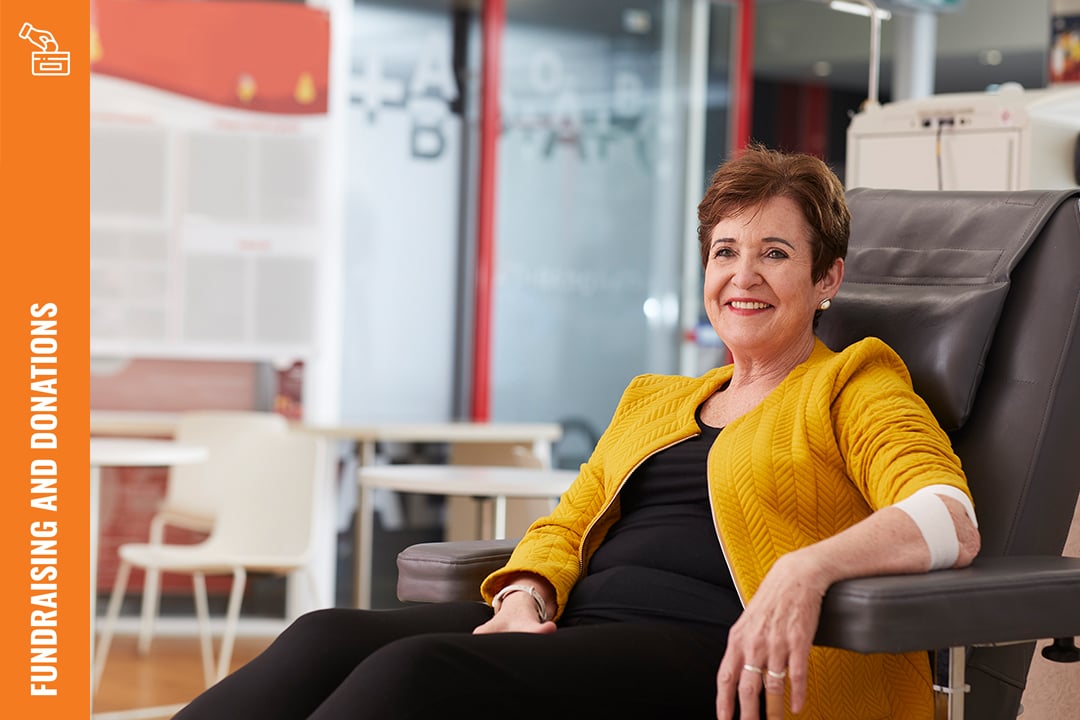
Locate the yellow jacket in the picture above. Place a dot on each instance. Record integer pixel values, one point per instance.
(841, 436)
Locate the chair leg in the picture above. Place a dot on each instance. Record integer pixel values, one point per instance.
(956, 687)
(109, 626)
(151, 590)
(232, 619)
(202, 612)
(313, 590)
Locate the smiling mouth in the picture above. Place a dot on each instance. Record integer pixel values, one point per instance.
(744, 305)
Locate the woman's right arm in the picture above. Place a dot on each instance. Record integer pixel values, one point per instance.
(551, 549)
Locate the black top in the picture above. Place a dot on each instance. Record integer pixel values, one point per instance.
(662, 558)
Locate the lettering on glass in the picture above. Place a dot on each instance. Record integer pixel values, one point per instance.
(543, 107)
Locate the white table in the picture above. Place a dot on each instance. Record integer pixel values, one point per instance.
(133, 423)
(498, 483)
(539, 435)
(125, 452)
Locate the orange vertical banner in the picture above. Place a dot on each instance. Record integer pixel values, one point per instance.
(44, 325)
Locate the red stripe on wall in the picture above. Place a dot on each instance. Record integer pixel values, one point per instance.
(494, 20)
(743, 99)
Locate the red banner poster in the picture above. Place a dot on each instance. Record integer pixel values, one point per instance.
(259, 56)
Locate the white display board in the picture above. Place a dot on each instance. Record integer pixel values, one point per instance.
(206, 227)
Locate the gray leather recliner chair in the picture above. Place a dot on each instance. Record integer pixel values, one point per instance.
(980, 294)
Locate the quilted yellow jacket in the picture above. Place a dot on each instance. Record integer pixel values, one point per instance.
(841, 436)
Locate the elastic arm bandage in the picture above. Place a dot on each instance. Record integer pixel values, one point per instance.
(931, 515)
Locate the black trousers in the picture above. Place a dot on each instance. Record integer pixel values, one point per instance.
(423, 662)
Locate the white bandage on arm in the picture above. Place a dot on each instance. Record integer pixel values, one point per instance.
(932, 517)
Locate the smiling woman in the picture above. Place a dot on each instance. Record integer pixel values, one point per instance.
(681, 573)
(773, 236)
(758, 290)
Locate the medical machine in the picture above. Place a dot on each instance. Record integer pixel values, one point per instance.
(1006, 139)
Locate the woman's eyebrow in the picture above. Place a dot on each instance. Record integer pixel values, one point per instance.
(780, 240)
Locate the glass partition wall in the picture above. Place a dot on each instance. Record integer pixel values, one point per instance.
(591, 198)
(610, 115)
(407, 199)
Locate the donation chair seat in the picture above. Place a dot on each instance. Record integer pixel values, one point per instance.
(979, 293)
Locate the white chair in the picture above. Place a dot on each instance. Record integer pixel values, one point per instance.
(265, 523)
(192, 494)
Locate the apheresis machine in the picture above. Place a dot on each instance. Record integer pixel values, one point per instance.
(1005, 139)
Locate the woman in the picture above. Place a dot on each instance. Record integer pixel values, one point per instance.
(681, 575)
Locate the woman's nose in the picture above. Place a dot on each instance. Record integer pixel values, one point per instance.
(746, 273)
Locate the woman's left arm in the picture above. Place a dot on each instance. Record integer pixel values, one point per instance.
(901, 461)
(776, 630)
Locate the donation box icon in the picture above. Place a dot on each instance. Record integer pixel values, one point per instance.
(50, 59)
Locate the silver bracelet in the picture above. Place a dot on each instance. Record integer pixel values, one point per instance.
(541, 606)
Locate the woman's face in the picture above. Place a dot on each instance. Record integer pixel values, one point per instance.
(759, 295)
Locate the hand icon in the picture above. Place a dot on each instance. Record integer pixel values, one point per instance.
(42, 38)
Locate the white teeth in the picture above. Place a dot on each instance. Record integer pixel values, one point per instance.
(739, 305)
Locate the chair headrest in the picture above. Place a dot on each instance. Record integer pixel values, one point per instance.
(928, 272)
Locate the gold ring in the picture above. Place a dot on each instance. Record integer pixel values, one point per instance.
(778, 675)
(752, 668)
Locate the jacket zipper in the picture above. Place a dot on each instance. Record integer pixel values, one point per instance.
(607, 506)
(720, 539)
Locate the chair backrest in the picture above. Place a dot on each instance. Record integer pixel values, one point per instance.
(194, 490)
(268, 498)
(980, 294)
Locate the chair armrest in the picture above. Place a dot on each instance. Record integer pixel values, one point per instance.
(446, 571)
(994, 601)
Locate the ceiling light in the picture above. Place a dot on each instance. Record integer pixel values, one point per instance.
(636, 21)
(856, 8)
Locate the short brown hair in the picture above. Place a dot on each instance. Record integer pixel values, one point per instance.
(758, 174)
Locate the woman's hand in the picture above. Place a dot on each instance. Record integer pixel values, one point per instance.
(776, 629)
(517, 613)
(770, 643)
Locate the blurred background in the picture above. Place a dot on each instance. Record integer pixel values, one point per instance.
(285, 204)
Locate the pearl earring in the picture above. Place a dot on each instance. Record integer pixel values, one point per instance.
(825, 304)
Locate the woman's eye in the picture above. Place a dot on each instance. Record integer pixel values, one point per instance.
(775, 254)
(723, 252)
